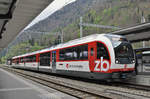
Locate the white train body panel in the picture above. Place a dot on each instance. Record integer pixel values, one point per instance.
(45, 67)
(21, 64)
(33, 65)
(73, 66)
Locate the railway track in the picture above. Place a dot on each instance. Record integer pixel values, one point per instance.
(133, 86)
(97, 91)
(76, 91)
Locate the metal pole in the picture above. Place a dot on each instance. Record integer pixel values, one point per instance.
(143, 44)
(62, 36)
(81, 28)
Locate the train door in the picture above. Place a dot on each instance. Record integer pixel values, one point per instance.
(54, 61)
(92, 50)
(45, 59)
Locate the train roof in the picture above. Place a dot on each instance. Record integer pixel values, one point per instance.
(86, 39)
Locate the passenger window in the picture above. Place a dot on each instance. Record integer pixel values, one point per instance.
(17, 61)
(45, 59)
(30, 58)
(62, 55)
(69, 54)
(21, 60)
(74, 53)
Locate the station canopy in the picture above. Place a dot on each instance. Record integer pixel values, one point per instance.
(136, 33)
(15, 15)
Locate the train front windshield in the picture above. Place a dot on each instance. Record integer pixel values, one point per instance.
(123, 50)
(124, 53)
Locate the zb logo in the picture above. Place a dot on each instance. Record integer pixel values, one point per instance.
(102, 65)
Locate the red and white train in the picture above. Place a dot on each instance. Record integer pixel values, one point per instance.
(98, 56)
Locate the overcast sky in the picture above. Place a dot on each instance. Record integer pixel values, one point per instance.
(54, 6)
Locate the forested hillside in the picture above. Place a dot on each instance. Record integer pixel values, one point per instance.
(119, 13)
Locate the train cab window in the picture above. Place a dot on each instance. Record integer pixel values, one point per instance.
(102, 51)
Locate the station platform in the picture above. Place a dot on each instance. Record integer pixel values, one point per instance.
(142, 79)
(144, 73)
(16, 87)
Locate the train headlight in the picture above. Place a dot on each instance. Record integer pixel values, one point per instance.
(117, 61)
(133, 61)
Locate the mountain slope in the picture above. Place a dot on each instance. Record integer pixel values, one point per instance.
(63, 17)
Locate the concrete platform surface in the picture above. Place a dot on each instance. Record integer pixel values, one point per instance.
(16, 87)
(141, 79)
